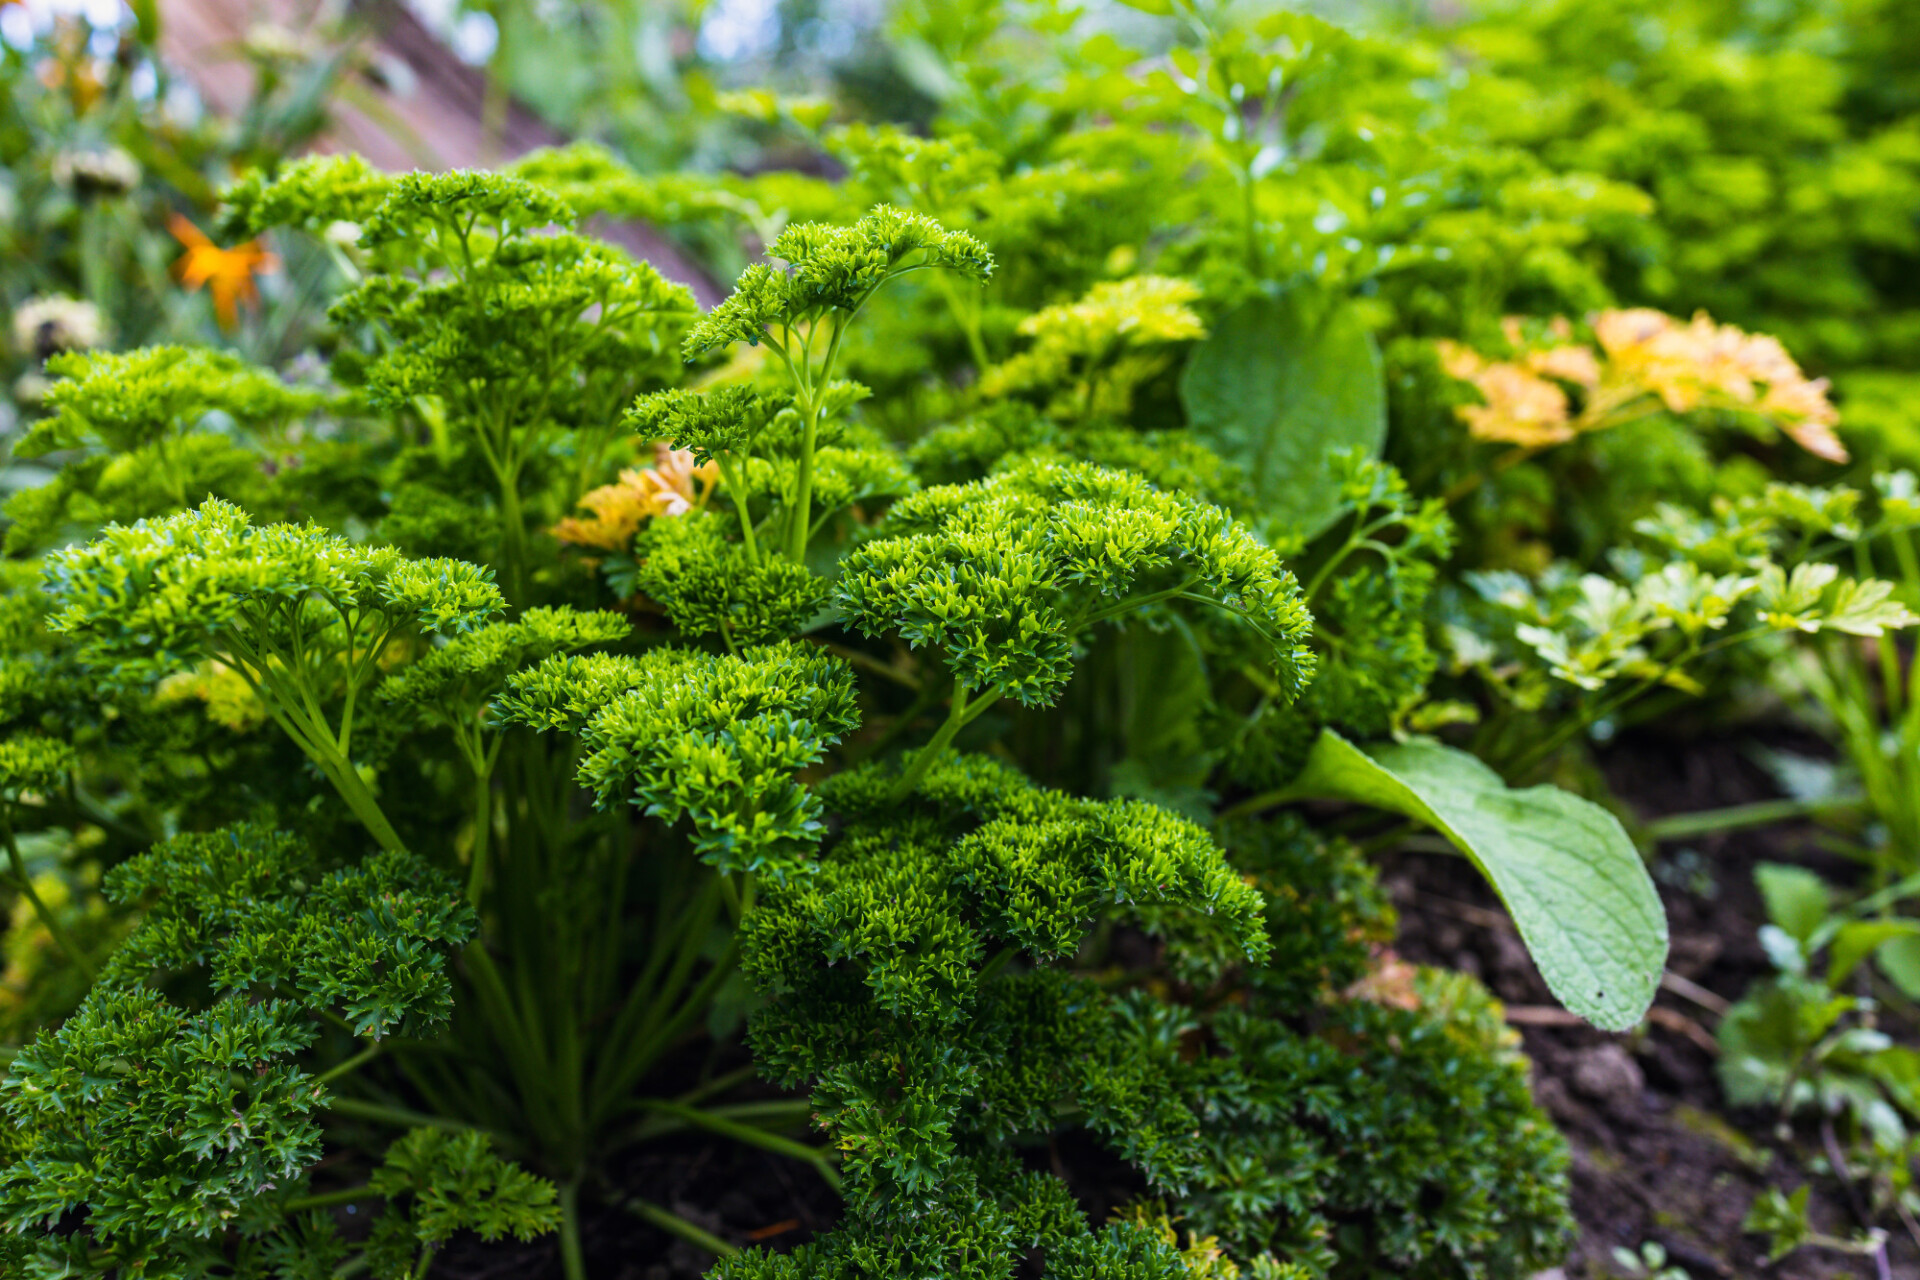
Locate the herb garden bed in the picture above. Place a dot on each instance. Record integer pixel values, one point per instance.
(1656, 1156)
(1103, 714)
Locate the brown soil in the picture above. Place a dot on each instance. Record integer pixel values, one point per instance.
(1657, 1156)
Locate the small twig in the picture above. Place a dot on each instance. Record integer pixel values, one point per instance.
(1882, 1268)
(1674, 1020)
(1542, 1015)
(777, 1229)
(1906, 1220)
(1465, 911)
(1687, 989)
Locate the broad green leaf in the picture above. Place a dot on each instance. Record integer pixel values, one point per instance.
(1572, 880)
(1797, 899)
(1279, 385)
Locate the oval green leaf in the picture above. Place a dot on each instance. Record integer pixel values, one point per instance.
(1571, 879)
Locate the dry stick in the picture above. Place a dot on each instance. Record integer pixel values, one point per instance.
(1882, 1269)
(1687, 989)
(1906, 1219)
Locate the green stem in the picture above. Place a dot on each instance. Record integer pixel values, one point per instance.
(779, 1113)
(750, 1135)
(800, 519)
(405, 1119)
(330, 1199)
(901, 723)
(815, 391)
(655, 1037)
(1249, 212)
(738, 493)
(718, 1085)
(1683, 826)
(1255, 804)
(354, 1063)
(529, 1066)
(673, 1224)
(314, 736)
(995, 965)
(969, 321)
(482, 829)
(347, 781)
(957, 719)
(61, 938)
(571, 1259)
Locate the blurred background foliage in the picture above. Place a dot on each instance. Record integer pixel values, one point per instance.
(1759, 159)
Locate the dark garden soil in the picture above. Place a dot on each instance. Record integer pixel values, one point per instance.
(1656, 1156)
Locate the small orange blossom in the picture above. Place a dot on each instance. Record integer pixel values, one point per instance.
(227, 273)
(672, 486)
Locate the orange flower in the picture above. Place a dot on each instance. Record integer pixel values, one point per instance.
(1702, 363)
(1650, 360)
(1521, 408)
(1567, 364)
(672, 486)
(227, 273)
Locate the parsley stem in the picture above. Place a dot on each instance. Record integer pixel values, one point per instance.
(961, 714)
(481, 762)
(352, 1064)
(571, 1259)
(800, 518)
(738, 493)
(992, 968)
(61, 938)
(524, 1059)
(718, 1085)
(655, 1036)
(926, 697)
(331, 1199)
(1684, 826)
(749, 1134)
(675, 1225)
(400, 1116)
